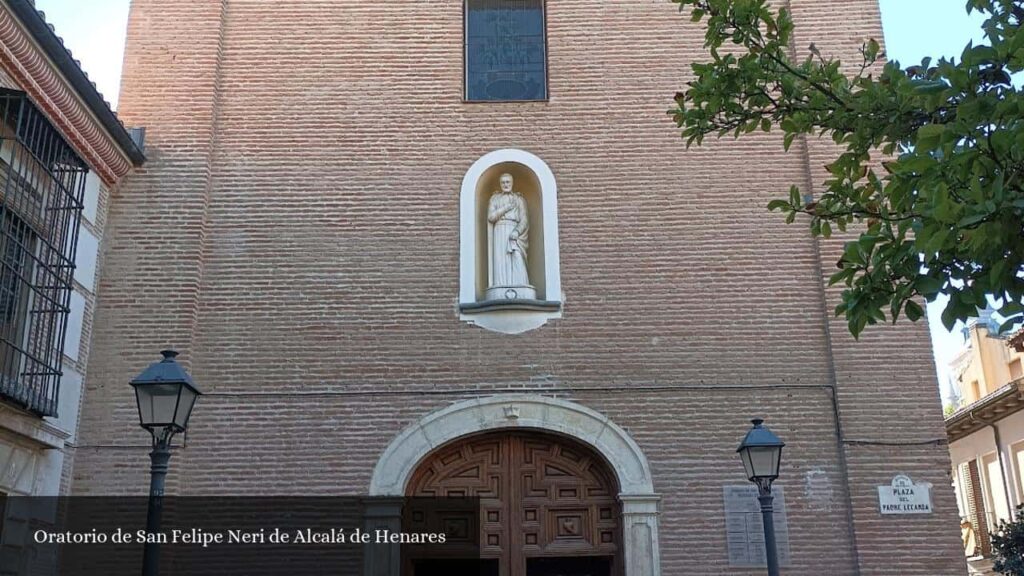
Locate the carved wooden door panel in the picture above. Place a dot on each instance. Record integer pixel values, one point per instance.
(542, 498)
(567, 500)
(474, 469)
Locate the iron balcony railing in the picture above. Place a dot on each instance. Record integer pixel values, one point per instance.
(42, 182)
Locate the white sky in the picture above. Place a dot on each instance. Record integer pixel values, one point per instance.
(94, 31)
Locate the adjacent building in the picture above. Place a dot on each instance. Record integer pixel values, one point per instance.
(62, 154)
(986, 432)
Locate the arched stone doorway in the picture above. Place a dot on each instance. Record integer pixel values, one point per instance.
(548, 503)
(521, 412)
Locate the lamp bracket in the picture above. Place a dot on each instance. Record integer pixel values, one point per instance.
(162, 436)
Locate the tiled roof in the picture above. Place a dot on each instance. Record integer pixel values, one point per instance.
(1016, 340)
(44, 33)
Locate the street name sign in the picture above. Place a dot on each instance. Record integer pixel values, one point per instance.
(902, 496)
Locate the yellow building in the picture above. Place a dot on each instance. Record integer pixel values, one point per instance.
(986, 432)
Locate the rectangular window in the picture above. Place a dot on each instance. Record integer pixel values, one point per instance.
(506, 50)
(995, 491)
(17, 258)
(1018, 461)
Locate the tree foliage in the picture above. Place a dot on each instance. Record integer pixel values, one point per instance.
(1008, 546)
(930, 166)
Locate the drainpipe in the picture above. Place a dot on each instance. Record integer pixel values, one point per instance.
(1002, 464)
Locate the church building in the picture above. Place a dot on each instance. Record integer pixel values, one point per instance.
(457, 247)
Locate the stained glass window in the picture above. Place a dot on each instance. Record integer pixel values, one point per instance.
(506, 55)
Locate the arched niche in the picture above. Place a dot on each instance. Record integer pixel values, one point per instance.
(528, 184)
(513, 313)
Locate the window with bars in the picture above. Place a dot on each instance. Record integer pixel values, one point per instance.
(506, 50)
(42, 182)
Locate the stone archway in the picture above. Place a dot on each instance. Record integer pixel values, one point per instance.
(639, 502)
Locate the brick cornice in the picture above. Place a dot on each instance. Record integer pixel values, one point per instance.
(23, 60)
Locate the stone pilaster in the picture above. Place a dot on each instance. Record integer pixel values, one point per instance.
(640, 534)
(382, 514)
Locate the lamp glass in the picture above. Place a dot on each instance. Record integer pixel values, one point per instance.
(158, 403)
(747, 465)
(188, 399)
(761, 461)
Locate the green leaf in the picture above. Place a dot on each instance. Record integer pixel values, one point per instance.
(913, 311)
(927, 286)
(844, 275)
(794, 196)
(787, 140)
(929, 136)
(929, 87)
(949, 316)
(971, 220)
(947, 211)
(853, 254)
(1010, 323)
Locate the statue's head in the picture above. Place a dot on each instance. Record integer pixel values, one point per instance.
(506, 182)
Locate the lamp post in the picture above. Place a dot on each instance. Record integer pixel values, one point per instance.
(165, 394)
(761, 452)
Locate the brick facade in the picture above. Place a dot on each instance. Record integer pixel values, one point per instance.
(295, 235)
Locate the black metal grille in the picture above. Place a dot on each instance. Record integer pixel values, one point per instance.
(42, 181)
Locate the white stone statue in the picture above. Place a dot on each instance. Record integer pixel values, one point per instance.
(507, 229)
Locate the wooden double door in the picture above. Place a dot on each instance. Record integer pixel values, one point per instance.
(548, 504)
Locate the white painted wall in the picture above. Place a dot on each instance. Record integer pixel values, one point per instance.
(981, 446)
(85, 259)
(76, 318)
(92, 197)
(68, 403)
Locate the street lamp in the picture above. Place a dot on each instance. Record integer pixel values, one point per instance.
(761, 452)
(165, 394)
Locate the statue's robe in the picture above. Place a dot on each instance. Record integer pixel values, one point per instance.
(508, 230)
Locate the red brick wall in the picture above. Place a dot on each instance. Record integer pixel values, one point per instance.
(888, 399)
(295, 235)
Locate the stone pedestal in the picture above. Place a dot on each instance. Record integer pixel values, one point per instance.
(511, 293)
(640, 534)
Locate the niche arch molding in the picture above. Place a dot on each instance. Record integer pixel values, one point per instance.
(541, 191)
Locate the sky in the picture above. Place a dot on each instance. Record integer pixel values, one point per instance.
(94, 32)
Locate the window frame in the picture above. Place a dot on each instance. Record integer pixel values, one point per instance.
(465, 60)
(15, 331)
(1020, 368)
